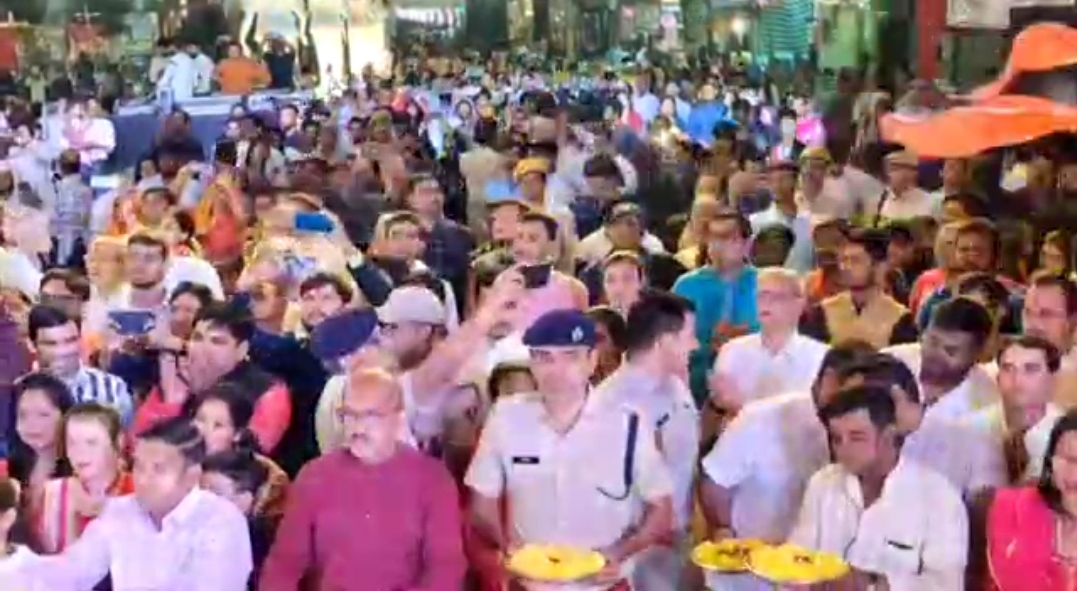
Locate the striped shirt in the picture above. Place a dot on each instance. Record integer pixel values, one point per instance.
(94, 385)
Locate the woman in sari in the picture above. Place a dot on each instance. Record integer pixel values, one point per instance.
(1031, 530)
(92, 445)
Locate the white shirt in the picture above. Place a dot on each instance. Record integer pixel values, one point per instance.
(19, 272)
(202, 545)
(758, 374)
(766, 455)
(962, 454)
(992, 422)
(915, 534)
(566, 488)
(978, 390)
(96, 142)
(913, 203)
(667, 401)
(204, 70)
(30, 163)
(866, 189)
(180, 77)
(180, 269)
(12, 569)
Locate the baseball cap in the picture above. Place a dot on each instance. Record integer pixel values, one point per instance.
(412, 303)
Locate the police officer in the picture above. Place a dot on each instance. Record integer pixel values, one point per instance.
(574, 472)
(651, 379)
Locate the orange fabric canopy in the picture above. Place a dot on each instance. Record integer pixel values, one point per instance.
(970, 129)
(989, 117)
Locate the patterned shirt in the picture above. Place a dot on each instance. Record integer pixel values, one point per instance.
(94, 385)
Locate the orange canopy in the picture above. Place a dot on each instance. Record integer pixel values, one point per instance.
(989, 117)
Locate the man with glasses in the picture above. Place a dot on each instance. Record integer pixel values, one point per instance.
(776, 360)
(358, 515)
(575, 470)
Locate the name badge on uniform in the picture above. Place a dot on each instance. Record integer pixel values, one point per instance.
(525, 460)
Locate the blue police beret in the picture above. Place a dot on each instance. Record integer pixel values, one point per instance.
(343, 333)
(561, 328)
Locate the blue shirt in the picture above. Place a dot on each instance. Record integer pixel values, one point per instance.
(716, 300)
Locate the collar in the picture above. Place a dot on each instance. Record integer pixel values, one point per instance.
(640, 379)
(851, 484)
(954, 403)
(788, 348)
(184, 511)
(73, 382)
(1051, 413)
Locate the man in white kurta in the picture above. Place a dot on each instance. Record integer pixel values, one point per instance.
(888, 516)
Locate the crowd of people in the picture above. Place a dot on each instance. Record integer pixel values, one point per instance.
(378, 344)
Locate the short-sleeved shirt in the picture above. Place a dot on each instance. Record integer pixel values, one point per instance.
(668, 402)
(568, 488)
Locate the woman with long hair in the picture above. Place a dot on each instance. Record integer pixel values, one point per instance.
(38, 405)
(1032, 530)
(92, 444)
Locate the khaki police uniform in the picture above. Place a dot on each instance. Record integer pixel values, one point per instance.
(573, 488)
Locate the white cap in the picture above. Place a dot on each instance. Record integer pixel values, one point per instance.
(414, 304)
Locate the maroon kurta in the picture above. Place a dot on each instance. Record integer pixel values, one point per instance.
(351, 526)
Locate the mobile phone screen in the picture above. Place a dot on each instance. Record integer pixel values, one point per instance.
(536, 276)
(132, 323)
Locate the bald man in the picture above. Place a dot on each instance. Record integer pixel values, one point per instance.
(373, 514)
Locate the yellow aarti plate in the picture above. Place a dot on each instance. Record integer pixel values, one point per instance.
(555, 564)
(725, 556)
(792, 565)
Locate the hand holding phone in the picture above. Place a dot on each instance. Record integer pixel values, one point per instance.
(314, 222)
(536, 276)
(132, 323)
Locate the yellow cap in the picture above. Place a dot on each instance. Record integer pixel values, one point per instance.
(530, 165)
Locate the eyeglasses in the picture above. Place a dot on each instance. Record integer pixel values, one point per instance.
(353, 417)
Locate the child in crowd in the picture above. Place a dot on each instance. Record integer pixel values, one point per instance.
(238, 475)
